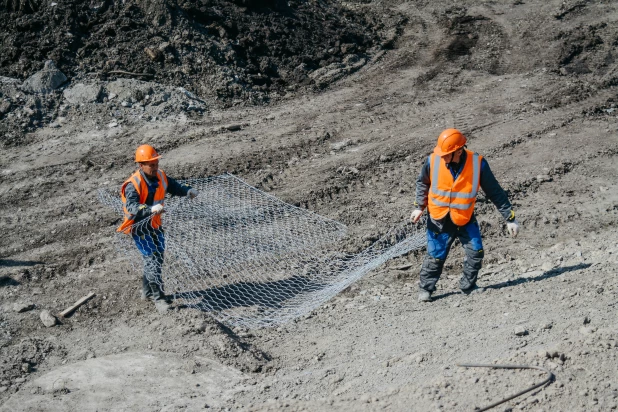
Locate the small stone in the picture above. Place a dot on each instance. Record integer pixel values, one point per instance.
(5, 106)
(48, 319)
(154, 54)
(234, 127)
(23, 307)
(586, 330)
(112, 124)
(126, 104)
(543, 178)
(456, 304)
(340, 145)
(547, 326)
(521, 331)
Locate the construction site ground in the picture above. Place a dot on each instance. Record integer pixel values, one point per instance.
(533, 84)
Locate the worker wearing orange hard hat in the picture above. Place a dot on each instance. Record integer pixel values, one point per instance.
(143, 196)
(447, 187)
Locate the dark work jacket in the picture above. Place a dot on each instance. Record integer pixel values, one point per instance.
(488, 183)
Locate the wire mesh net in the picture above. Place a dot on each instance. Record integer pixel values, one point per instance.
(246, 257)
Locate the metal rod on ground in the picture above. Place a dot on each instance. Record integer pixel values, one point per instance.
(550, 377)
(76, 305)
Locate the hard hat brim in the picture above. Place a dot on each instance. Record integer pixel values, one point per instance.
(149, 160)
(440, 152)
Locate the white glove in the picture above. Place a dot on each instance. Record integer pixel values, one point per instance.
(157, 209)
(192, 193)
(513, 228)
(416, 215)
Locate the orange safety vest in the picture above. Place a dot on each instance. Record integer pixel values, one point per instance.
(141, 186)
(458, 196)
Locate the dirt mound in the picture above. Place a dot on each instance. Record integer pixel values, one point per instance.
(244, 49)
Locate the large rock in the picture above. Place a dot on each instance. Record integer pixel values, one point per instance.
(83, 93)
(45, 81)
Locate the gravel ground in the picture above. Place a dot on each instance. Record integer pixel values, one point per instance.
(532, 84)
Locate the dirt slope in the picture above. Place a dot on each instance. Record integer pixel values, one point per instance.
(533, 85)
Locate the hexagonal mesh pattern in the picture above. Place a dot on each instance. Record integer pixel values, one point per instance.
(248, 258)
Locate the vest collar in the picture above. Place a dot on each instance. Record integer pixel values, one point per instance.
(148, 181)
(462, 162)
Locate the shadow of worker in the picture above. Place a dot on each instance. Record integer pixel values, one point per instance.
(519, 281)
(546, 275)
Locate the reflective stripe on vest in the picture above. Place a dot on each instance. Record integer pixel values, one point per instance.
(476, 164)
(162, 179)
(460, 200)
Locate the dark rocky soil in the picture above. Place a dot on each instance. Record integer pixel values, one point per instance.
(244, 49)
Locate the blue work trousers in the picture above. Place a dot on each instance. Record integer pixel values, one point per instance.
(438, 247)
(151, 244)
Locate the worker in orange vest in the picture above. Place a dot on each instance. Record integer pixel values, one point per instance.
(447, 187)
(143, 196)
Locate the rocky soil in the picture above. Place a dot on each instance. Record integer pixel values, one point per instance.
(534, 86)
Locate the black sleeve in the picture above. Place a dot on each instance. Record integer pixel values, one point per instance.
(139, 211)
(494, 192)
(422, 186)
(176, 189)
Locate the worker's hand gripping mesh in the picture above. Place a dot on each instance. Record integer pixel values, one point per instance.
(248, 258)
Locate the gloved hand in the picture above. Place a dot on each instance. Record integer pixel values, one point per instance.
(192, 193)
(513, 228)
(416, 215)
(157, 209)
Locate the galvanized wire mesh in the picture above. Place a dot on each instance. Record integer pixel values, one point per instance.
(248, 258)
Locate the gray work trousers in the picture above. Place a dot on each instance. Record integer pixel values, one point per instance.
(152, 283)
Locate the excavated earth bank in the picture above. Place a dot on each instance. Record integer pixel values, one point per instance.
(331, 106)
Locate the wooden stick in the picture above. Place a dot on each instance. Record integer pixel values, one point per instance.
(129, 73)
(77, 304)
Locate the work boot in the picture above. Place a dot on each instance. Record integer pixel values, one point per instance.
(162, 306)
(473, 290)
(424, 296)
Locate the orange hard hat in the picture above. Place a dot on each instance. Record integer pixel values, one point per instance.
(449, 141)
(146, 153)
